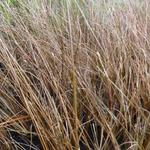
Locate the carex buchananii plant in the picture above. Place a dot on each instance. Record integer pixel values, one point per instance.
(74, 75)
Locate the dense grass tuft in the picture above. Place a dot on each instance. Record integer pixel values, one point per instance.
(75, 74)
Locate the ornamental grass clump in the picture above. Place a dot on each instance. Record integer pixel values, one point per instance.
(75, 75)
